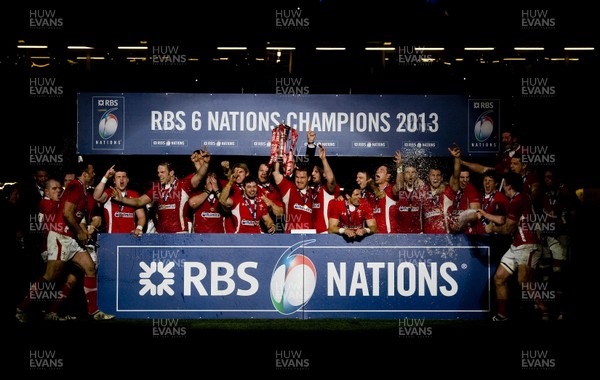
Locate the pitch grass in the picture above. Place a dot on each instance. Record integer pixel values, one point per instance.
(303, 324)
(278, 324)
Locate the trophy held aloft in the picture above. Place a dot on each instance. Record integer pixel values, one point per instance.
(283, 143)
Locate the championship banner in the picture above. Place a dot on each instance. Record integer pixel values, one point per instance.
(243, 124)
(294, 276)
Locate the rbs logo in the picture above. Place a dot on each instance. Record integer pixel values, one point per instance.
(108, 102)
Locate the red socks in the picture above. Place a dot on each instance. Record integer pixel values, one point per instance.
(90, 287)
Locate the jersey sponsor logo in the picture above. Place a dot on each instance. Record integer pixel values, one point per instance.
(407, 209)
(170, 206)
(431, 214)
(210, 214)
(121, 214)
(304, 208)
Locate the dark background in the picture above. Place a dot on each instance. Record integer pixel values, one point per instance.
(563, 122)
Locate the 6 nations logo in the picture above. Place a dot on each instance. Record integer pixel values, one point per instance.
(293, 280)
(292, 283)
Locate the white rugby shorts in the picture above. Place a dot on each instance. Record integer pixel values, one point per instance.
(61, 247)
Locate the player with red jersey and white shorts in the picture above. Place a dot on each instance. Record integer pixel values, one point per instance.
(67, 239)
